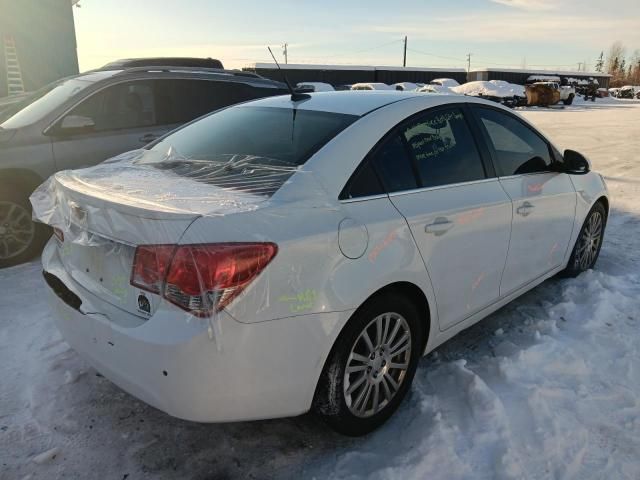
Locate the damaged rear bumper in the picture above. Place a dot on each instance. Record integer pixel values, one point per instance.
(253, 371)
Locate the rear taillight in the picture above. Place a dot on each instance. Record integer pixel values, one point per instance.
(200, 278)
(150, 264)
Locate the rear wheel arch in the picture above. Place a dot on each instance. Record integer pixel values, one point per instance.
(408, 290)
(16, 185)
(20, 180)
(417, 298)
(410, 304)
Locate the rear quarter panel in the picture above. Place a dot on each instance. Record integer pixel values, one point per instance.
(310, 273)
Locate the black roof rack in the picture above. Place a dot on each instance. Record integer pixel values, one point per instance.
(173, 68)
(164, 61)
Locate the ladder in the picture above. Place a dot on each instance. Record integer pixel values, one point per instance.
(15, 85)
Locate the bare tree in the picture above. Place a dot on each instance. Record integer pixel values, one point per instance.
(634, 68)
(614, 57)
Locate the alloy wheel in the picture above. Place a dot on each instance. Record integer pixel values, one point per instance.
(589, 242)
(17, 231)
(377, 364)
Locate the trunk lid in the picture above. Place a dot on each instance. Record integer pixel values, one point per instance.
(104, 212)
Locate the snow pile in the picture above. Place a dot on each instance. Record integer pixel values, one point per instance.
(492, 88)
(405, 86)
(444, 82)
(546, 388)
(581, 81)
(316, 86)
(371, 86)
(437, 89)
(543, 78)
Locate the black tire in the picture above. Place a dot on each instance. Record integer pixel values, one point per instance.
(15, 218)
(577, 262)
(569, 100)
(330, 400)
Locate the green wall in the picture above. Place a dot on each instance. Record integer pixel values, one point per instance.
(45, 39)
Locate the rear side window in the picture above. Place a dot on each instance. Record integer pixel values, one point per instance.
(182, 100)
(394, 166)
(444, 148)
(364, 183)
(517, 148)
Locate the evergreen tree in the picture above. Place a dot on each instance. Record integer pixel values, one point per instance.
(614, 66)
(600, 62)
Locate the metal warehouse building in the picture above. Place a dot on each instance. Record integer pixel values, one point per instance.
(38, 44)
(349, 74)
(523, 76)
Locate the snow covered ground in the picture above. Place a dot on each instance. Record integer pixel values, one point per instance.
(548, 387)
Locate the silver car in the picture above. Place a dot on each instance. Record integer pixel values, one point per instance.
(83, 120)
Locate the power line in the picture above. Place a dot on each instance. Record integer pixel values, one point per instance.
(368, 49)
(434, 55)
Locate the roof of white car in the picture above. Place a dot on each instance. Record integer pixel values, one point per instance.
(348, 102)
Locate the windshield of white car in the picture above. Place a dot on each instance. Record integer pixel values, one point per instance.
(41, 102)
(248, 148)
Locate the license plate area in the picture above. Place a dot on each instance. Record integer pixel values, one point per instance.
(102, 269)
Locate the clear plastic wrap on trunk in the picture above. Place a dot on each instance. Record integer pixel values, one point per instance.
(124, 231)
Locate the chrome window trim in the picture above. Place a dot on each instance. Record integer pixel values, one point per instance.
(364, 198)
(443, 187)
(508, 177)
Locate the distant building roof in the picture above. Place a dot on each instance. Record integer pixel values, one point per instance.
(542, 72)
(307, 66)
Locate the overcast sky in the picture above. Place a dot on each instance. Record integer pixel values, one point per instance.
(499, 33)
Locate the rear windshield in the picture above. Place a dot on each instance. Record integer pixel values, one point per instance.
(254, 149)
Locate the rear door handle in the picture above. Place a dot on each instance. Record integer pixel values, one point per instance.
(149, 137)
(525, 209)
(440, 226)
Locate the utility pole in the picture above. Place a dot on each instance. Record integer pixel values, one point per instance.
(469, 62)
(404, 58)
(284, 51)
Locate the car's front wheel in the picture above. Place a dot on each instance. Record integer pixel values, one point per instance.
(371, 366)
(587, 248)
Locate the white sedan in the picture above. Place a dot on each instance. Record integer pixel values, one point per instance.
(287, 255)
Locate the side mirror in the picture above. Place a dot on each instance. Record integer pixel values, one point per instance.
(76, 124)
(576, 163)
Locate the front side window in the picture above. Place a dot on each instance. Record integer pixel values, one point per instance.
(122, 106)
(518, 149)
(444, 148)
(41, 103)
